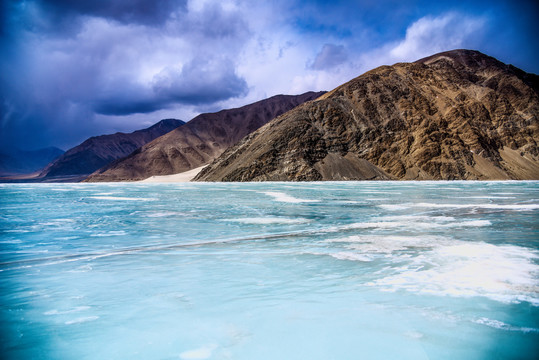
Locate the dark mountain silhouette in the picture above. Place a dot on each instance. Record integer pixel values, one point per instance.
(17, 162)
(98, 151)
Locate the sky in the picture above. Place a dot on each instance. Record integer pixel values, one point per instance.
(71, 69)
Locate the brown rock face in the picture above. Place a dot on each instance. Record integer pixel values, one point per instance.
(455, 115)
(199, 141)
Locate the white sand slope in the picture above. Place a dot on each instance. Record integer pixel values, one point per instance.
(181, 177)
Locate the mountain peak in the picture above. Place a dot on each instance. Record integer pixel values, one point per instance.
(199, 141)
(459, 114)
(99, 151)
(169, 123)
(475, 62)
(462, 56)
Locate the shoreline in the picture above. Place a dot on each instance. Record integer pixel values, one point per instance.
(185, 176)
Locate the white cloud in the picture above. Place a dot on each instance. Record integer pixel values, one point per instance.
(203, 57)
(100, 65)
(430, 35)
(426, 36)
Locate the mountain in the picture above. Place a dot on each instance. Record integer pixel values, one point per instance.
(98, 151)
(17, 162)
(454, 115)
(199, 141)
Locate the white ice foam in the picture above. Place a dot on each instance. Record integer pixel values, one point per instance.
(443, 266)
(81, 269)
(347, 255)
(164, 214)
(513, 207)
(198, 354)
(516, 207)
(394, 207)
(413, 334)
(496, 324)
(503, 326)
(70, 311)
(269, 220)
(280, 196)
(425, 218)
(416, 224)
(15, 241)
(118, 198)
(487, 197)
(81, 320)
(378, 192)
(110, 233)
(57, 222)
(381, 244)
(505, 273)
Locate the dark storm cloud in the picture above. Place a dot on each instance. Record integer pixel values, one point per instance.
(76, 68)
(71, 62)
(329, 57)
(201, 81)
(127, 106)
(30, 126)
(152, 12)
(211, 22)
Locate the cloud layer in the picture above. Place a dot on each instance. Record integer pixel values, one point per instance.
(73, 69)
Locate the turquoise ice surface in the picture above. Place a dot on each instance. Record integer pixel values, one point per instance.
(329, 270)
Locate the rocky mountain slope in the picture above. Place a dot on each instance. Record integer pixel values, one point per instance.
(16, 162)
(454, 115)
(199, 141)
(99, 151)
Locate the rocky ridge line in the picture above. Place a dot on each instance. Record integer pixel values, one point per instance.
(455, 115)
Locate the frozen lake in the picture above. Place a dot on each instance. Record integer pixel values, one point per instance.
(330, 270)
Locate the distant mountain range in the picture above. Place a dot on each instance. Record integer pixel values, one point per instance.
(18, 162)
(199, 141)
(455, 115)
(98, 151)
